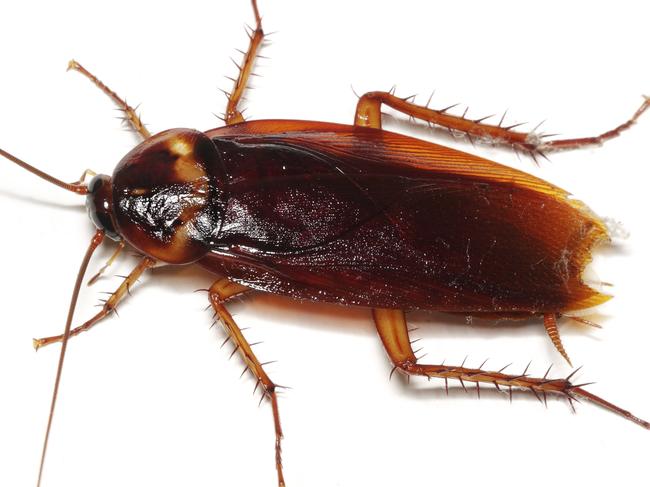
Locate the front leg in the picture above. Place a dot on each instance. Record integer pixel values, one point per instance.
(219, 292)
(130, 114)
(109, 305)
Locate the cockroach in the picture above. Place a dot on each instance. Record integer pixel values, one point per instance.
(354, 215)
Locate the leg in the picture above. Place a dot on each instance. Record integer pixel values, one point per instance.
(368, 114)
(220, 291)
(233, 114)
(129, 113)
(118, 251)
(109, 305)
(393, 331)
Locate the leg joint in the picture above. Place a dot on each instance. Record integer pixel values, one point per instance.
(406, 366)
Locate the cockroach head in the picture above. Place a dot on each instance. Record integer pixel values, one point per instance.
(99, 203)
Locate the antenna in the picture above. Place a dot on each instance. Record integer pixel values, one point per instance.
(74, 187)
(94, 243)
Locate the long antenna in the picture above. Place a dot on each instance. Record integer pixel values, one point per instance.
(94, 243)
(75, 188)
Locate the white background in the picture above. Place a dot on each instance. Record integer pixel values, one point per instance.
(150, 399)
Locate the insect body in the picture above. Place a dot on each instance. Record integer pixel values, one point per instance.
(356, 215)
(351, 215)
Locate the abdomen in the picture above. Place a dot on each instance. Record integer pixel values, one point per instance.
(367, 217)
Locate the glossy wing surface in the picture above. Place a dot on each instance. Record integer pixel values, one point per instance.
(373, 218)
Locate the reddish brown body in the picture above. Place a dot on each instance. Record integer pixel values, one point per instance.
(357, 216)
(350, 214)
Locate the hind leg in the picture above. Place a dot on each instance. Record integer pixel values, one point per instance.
(393, 331)
(368, 114)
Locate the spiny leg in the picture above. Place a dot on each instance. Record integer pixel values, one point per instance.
(233, 114)
(393, 331)
(576, 143)
(550, 324)
(227, 289)
(109, 305)
(120, 247)
(368, 114)
(219, 292)
(130, 114)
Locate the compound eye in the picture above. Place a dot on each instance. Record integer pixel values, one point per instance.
(99, 204)
(97, 182)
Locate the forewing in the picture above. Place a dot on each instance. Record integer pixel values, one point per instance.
(386, 220)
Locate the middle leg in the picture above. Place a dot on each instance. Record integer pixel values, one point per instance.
(219, 292)
(233, 113)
